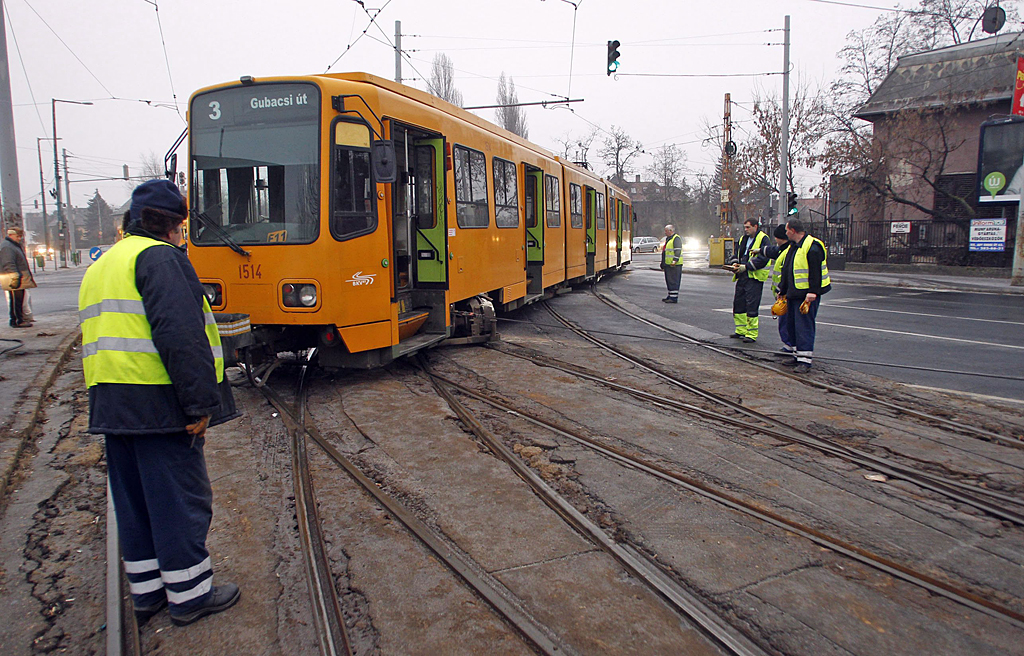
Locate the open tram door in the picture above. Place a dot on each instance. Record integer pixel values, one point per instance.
(620, 218)
(419, 219)
(591, 231)
(534, 178)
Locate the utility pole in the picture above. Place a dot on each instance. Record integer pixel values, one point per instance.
(42, 190)
(398, 51)
(71, 210)
(784, 145)
(727, 153)
(10, 189)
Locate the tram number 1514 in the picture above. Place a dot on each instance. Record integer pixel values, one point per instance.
(249, 272)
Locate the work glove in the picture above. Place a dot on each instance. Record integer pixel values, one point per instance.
(198, 429)
(740, 268)
(755, 251)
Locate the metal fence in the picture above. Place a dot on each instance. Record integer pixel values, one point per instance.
(927, 242)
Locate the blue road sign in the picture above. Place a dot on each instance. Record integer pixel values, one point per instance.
(95, 252)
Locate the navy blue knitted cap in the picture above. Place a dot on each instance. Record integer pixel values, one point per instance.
(157, 195)
(780, 232)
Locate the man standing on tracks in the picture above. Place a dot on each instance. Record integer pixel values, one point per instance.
(749, 283)
(672, 263)
(804, 279)
(155, 372)
(769, 257)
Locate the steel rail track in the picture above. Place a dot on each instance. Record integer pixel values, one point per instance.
(684, 602)
(955, 490)
(122, 632)
(836, 389)
(860, 554)
(539, 636)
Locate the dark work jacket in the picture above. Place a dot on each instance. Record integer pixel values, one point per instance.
(741, 250)
(12, 258)
(767, 254)
(173, 299)
(815, 256)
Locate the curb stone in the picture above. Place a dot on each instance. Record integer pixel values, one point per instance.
(25, 415)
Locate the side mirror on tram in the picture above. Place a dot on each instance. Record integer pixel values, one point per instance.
(385, 163)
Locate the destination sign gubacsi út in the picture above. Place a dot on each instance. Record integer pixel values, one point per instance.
(241, 105)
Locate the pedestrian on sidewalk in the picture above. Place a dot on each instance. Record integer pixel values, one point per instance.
(804, 279)
(15, 275)
(672, 263)
(749, 283)
(768, 258)
(155, 372)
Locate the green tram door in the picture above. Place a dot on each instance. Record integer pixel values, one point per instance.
(620, 217)
(431, 224)
(534, 230)
(591, 231)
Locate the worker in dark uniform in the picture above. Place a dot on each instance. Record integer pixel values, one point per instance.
(768, 258)
(155, 372)
(804, 277)
(672, 263)
(749, 283)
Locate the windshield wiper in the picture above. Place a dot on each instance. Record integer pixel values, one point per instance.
(221, 233)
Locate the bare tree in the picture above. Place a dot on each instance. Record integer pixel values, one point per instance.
(667, 169)
(510, 115)
(152, 169)
(616, 152)
(442, 80)
(575, 147)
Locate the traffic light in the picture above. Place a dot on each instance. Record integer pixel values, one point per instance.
(613, 56)
(124, 171)
(792, 204)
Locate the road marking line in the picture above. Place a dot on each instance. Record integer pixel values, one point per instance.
(925, 314)
(982, 397)
(901, 332)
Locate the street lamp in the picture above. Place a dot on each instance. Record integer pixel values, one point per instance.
(56, 172)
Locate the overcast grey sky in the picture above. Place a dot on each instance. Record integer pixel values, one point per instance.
(110, 53)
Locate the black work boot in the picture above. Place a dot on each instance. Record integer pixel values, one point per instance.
(144, 613)
(222, 598)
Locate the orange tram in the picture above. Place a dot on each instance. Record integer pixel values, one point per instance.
(370, 220)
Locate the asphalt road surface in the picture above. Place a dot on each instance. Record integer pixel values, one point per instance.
(958, 331)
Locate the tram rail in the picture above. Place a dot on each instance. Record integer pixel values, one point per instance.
(948, 424)
(540, 637)
(989, 501)
(646, 570)
(955, 593)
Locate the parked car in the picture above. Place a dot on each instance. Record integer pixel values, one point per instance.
(646, 245)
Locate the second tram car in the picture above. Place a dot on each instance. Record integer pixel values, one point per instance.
(370, 220)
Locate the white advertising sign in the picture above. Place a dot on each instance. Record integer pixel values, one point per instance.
(899, 227)
(988, 235)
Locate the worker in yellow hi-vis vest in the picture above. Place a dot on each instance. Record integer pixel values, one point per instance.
(749, 283)
(155, 372)
(672, 263)
(805, 279)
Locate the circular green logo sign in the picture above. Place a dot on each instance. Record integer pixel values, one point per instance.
(994, 182)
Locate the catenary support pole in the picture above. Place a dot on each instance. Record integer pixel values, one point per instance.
(70, 216)
(784, 145)
(398, 51)
(42, 191)
(10, 189)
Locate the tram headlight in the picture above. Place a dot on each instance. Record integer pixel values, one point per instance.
(307, 295)
(298, 295)
(214, 293)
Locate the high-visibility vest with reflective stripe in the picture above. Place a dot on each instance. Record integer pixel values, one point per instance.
(117, 341)
(801, 277)
(670, 245)
(776, 266)
(759, 274)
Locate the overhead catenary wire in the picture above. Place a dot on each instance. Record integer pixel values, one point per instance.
(73, 54)
(352, 43)
(167, 60)
(28, 80)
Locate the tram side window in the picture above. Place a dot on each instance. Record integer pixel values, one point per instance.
(506, 194)
(575, 206)
(531, 196)
(612, 222)
(552, 202)
(600, 212)
(352, 212)
(426, 217)
(471, 210)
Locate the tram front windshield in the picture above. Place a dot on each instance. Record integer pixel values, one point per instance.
(255, 164)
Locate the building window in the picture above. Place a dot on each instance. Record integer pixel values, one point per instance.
(471, 210)
(575, 206)
(506, 194)
(552, 202)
